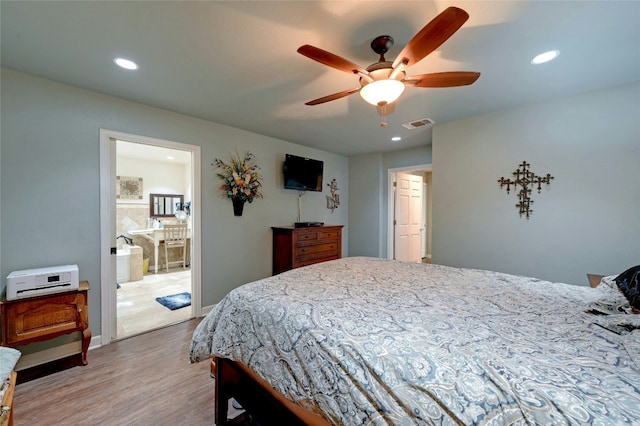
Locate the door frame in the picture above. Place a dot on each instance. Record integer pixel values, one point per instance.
(391, 178)
(108, 220)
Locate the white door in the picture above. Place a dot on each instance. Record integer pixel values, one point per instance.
(408, 218)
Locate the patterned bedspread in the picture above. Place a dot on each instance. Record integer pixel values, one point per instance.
(378, 342)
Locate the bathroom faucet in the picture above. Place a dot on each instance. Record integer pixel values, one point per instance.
(127, 240)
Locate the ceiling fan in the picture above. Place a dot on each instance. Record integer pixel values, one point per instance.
(383, 82)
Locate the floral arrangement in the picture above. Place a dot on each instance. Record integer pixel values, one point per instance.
(241, 178)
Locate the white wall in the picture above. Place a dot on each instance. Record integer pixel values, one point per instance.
(157, 177)
(587, 222)
(365, 211)
(50, 190)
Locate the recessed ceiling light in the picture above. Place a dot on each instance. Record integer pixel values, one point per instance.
(126, 64)
(545, 57)
(170, 157)
(396, 139)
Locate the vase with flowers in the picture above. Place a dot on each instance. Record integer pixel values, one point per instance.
(241, 180)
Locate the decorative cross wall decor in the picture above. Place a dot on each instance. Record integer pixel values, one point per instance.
(526, 180)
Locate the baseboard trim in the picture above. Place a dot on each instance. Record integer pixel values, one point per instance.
(96, 342)
(42, 370)
(207, 309)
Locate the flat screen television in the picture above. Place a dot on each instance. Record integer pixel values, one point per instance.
(302, 174)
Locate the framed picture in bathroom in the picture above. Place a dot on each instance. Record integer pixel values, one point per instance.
(128, 188)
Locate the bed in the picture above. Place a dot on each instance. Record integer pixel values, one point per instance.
(379, 342)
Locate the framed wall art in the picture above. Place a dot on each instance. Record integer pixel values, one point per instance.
(128, 188)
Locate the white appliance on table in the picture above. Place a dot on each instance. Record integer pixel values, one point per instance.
(35, 282)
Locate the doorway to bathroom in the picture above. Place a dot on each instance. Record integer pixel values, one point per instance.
(409, 214)
(153, 191)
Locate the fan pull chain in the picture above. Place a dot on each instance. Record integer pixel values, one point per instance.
(382, 110)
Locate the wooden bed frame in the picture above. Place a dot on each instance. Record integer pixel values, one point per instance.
(6, 409)
(257, 397)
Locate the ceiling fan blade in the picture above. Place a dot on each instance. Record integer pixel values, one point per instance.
(331, 60)
(332, 97)
(443, 79)
(432, 36)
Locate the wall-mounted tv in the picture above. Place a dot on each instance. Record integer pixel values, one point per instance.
(303, 174)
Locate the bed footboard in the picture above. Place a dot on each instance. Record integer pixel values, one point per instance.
(263, 403)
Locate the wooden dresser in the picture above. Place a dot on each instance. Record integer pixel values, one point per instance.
(297, 247)
(44, 317)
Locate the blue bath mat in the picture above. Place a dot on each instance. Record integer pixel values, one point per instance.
(175, 301)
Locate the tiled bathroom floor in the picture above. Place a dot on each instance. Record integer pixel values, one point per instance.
(138, 310)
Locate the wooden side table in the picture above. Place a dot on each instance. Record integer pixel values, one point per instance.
(44, 317)
(594, 280)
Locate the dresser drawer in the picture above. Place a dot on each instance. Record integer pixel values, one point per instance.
(327, 249)
(319, 237)
(330, 235)
(31, 319)
(306, 237)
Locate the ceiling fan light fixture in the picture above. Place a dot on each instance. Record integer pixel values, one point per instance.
(382, 92)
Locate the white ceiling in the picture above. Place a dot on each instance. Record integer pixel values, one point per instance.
(236, 62)
(152, 153)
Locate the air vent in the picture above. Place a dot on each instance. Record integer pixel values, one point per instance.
(423, 122)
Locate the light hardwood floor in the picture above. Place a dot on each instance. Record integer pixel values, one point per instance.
(137, 308)
(144, 380)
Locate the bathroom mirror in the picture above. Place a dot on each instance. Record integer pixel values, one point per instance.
(165, 205)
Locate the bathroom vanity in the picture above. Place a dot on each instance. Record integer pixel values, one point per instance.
(155, 236)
